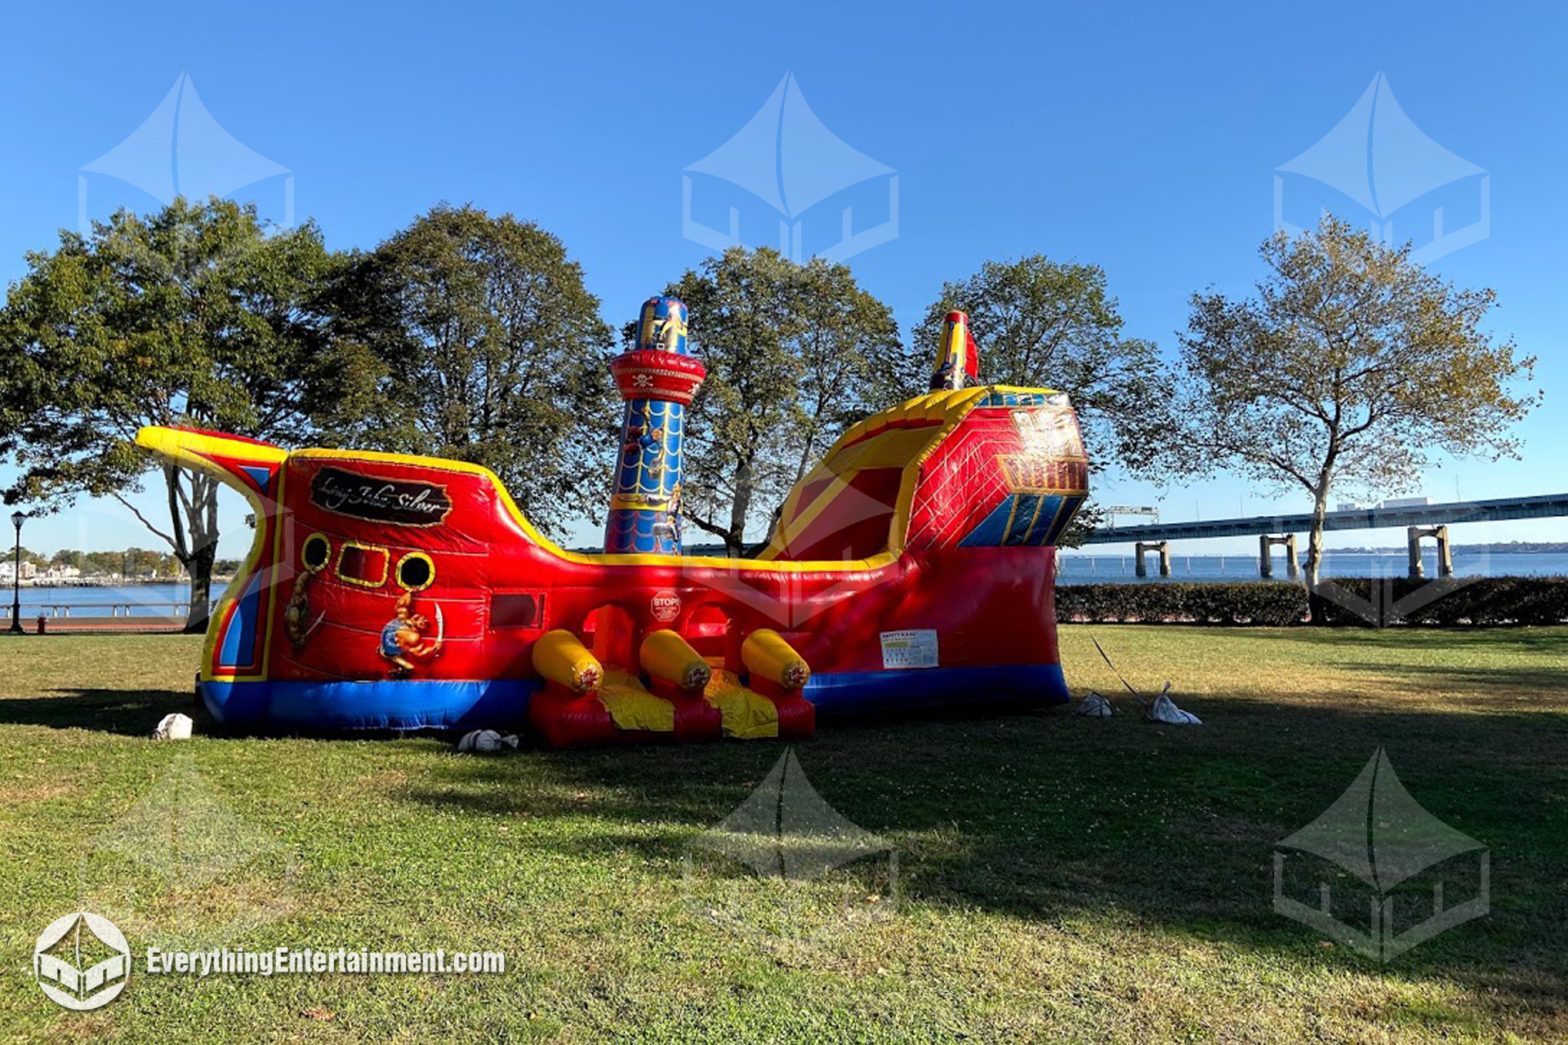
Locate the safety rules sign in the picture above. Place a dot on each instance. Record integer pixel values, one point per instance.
(909, 649)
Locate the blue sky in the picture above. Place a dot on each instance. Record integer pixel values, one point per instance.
(1144, 139)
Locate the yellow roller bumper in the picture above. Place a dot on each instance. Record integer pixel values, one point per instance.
(665, 655)
(561, 658)
(765, 653)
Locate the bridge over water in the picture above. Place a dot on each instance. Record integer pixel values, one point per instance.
(1425, 520)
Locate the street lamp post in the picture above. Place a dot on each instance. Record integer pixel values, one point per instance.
(17, 518)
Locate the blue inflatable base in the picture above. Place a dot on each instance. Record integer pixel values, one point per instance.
(503, 703)
(380, 704)
(867, 692)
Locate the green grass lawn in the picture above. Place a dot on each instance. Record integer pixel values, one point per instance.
(1057, 878)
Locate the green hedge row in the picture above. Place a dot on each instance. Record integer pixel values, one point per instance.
(1358, 601)
(1454, 601)
(1261, 602)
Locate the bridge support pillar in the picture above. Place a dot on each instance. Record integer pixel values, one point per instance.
(1445, 557)
(1163, 547)
(1266, 543)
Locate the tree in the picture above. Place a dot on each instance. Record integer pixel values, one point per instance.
(1352, 363)
(1043, 323)
(792, 353)
(474, 337)
(69, 557)
(196, 315)
(30, 556)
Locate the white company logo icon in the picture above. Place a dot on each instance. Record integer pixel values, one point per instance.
(1377, 833)
(786, 158)
(181, 150)
(786, 830)
(82, 961)
(1384, 163)
(792, 841)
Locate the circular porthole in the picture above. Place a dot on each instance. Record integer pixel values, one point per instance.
(415, 572)
(316, 552)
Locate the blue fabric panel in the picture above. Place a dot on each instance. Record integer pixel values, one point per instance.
(239, 640)
(852, 692)
(262, 476)
(1018, 533)
(1049, 505)
(1062, 520)
(1014, 399)
(988, 533)
(381, 704)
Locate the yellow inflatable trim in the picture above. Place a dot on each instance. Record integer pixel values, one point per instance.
(665, 655)
(746, 714)
(561, 658)
(633, 707)
(766, 653)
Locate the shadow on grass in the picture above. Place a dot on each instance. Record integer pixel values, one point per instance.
(1519, 640)
(1055, 819)
(1492, 685)
(133, 712)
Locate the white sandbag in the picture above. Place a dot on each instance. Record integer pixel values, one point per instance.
(1165, 711)
(1093, 706)
(486, 742)
(174, 727)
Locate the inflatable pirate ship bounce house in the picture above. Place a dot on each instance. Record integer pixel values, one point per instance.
(913, 567)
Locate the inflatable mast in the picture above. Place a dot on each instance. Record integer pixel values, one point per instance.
(957, 357)
(657, 379)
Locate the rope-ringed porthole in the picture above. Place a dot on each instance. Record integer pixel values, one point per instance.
(415, 572)
(316, 552)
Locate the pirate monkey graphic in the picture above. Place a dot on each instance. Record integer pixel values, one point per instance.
(403, 640)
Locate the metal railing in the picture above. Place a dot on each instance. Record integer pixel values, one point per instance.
(124, 608)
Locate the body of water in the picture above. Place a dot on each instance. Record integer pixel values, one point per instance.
(1079, 567)
(137, 600)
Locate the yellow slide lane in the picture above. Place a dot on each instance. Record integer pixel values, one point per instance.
(633, 707)
(746, 714)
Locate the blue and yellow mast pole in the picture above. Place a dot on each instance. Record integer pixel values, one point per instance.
(957, 357)
(657, 379)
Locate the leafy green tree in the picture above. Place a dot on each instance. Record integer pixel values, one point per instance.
(473, 337)
(69, 557)
(106, 564)
(1048, 324)
(1350, 364)
(28, 556)
(196, 315)
(792, 353)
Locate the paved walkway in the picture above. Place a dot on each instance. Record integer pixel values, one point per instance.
(100, 624)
